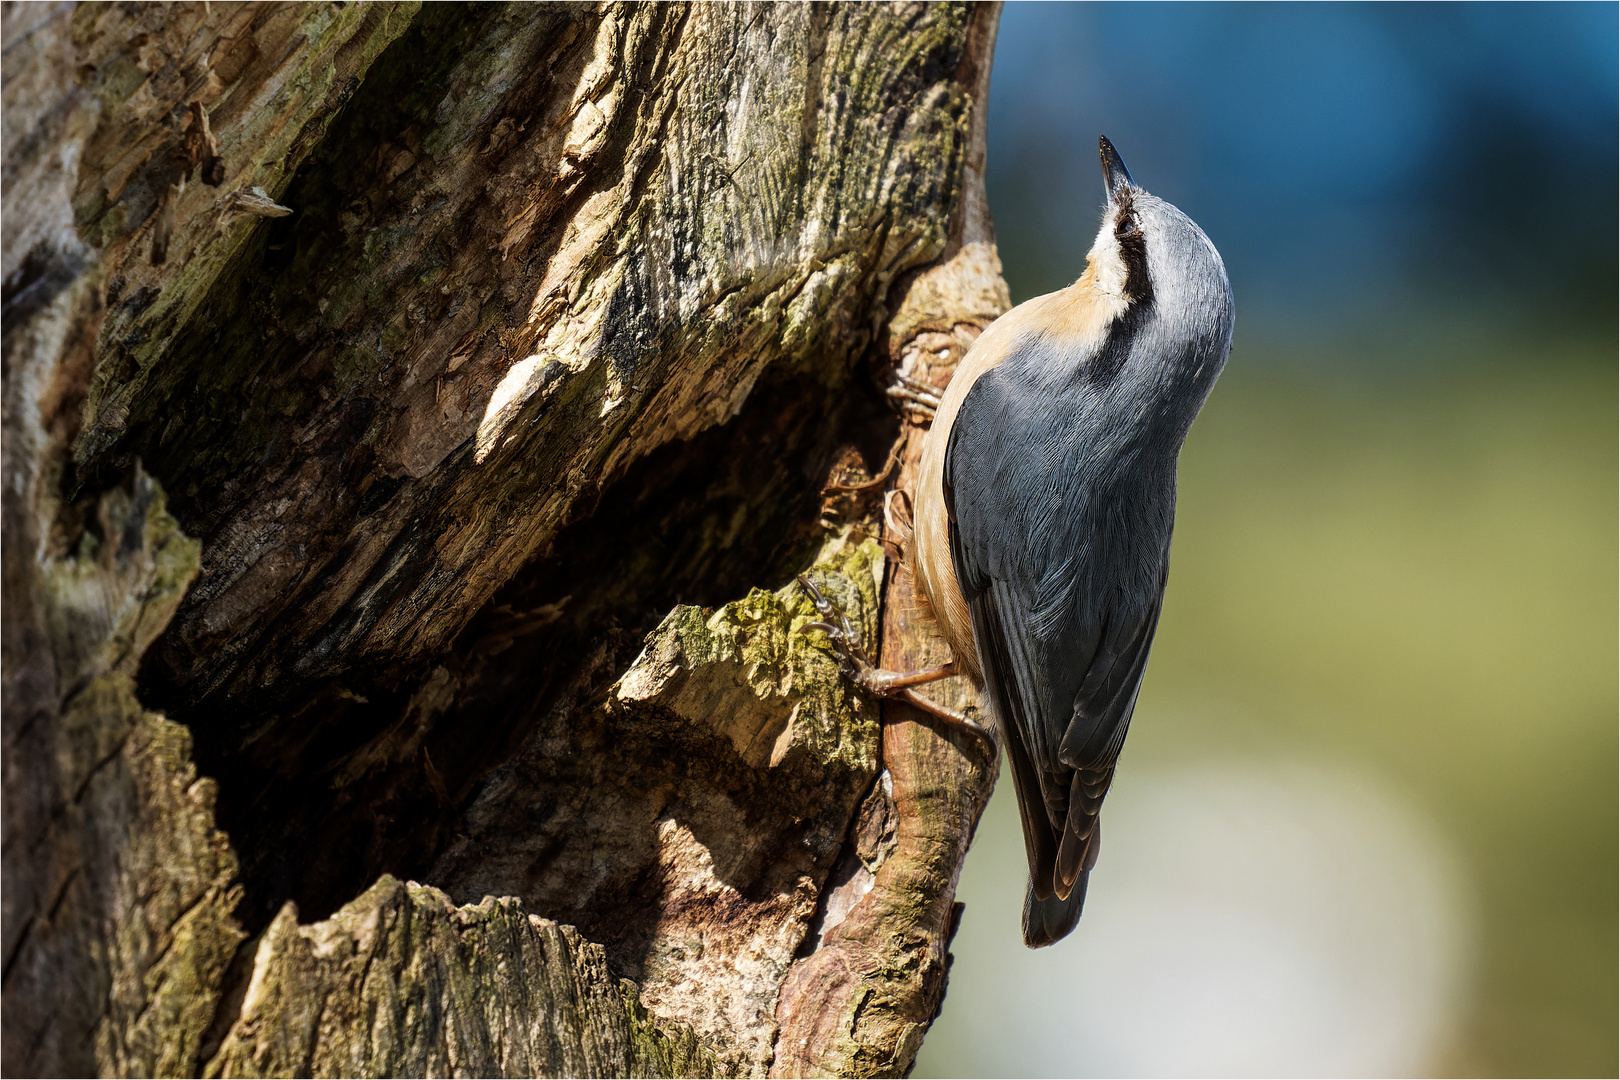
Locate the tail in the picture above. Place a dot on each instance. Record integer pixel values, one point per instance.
(1050, 920)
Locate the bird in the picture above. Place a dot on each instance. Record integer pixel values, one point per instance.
(1043, 513)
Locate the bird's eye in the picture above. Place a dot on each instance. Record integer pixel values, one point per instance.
(1125, 227)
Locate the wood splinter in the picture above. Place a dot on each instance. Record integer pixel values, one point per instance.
(255, 201)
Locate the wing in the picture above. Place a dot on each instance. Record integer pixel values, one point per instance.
(1063, 618)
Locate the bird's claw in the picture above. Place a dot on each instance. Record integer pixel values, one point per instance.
(919, 387)
(855, 666)
(914, 395)
(852, 659)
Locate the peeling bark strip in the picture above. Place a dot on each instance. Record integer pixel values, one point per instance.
(490, 353)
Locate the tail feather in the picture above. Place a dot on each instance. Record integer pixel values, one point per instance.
(1050, 920)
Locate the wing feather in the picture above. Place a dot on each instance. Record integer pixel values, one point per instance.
(1061, 669)
(1009, 690)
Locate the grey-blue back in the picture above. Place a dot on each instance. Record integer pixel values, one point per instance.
(1060, 478)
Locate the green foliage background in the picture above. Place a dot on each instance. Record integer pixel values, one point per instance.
(1395, 544)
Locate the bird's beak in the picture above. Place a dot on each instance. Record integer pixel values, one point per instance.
(1115, 174)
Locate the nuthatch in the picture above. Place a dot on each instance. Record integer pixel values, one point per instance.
(1043, 516)
(1044, 510)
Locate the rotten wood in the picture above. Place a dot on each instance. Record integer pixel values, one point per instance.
(414, 420)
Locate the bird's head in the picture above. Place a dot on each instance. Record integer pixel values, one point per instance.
(1148, 252)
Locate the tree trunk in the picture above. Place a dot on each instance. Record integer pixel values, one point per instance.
(415, 419)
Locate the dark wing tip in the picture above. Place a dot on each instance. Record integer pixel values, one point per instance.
(1049, 921)
(1077, 854)
(1082, 829)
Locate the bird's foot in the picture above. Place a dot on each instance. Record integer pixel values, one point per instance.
(894, 685)
(917, 399)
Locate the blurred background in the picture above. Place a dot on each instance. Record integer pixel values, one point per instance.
(1365, 823)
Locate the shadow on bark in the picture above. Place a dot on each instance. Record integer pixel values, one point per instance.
(501, 438)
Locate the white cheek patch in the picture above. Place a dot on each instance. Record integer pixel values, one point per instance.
(1092, 304)
(1106, 271)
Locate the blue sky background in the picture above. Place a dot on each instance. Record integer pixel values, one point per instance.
(1358, 166)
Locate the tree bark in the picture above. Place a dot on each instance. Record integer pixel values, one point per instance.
(415, 419)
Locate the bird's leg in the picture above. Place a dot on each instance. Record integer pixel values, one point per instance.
(914, 395)
(856, 666)
(887, 682)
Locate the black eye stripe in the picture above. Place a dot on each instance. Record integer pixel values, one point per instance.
(1132, 249)
(1133, 252)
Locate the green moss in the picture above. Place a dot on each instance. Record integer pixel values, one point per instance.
(660, 1049)
(766, 634)
(396, 334)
